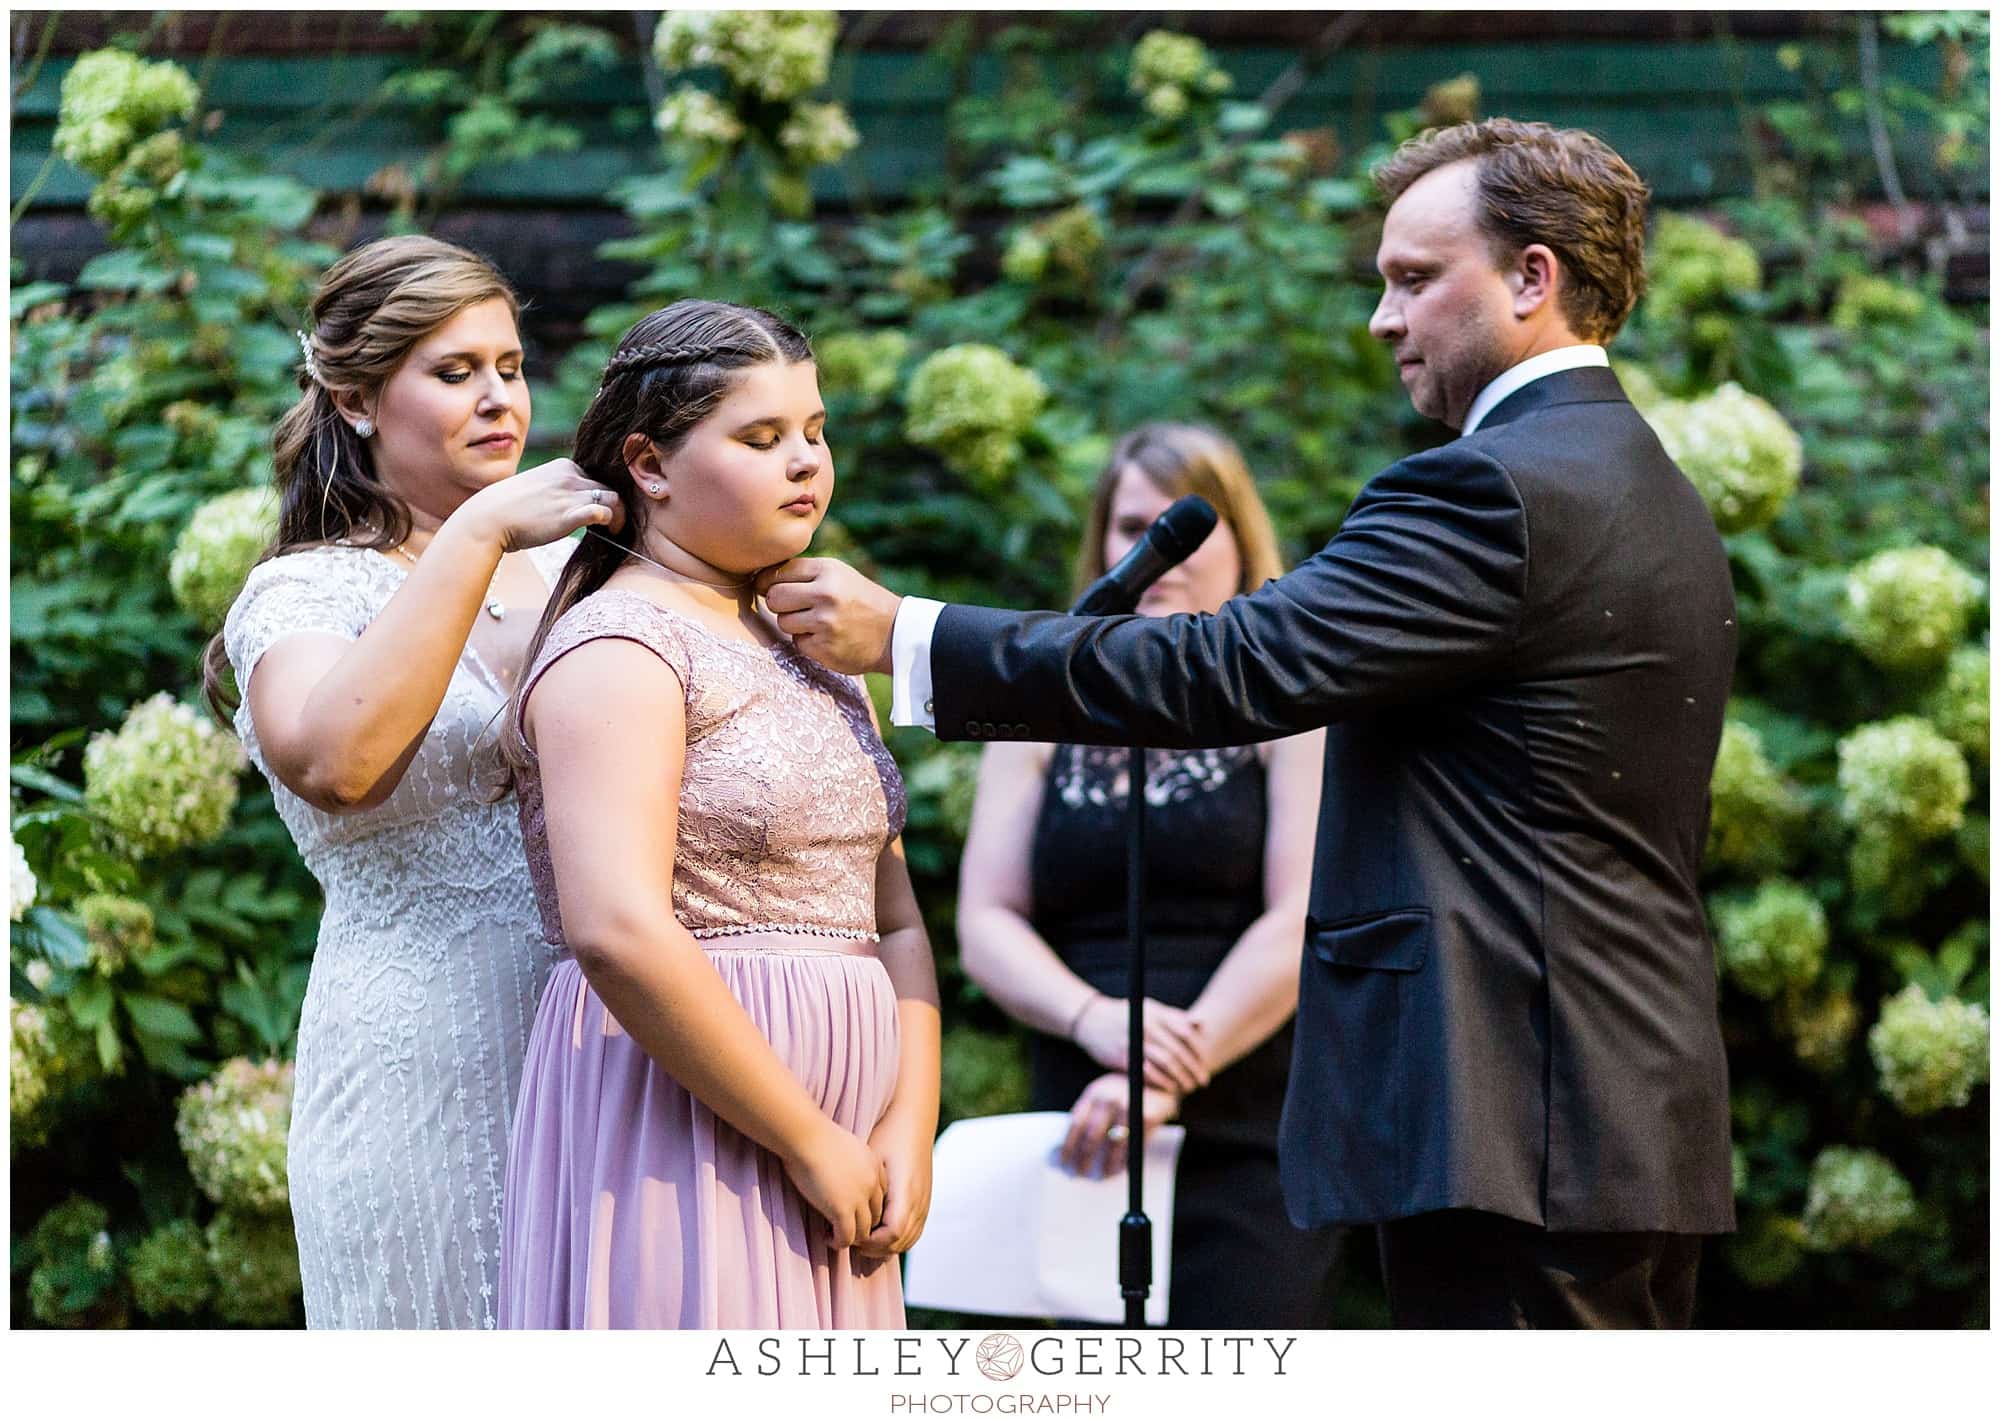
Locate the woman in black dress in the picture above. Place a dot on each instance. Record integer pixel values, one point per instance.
(1041, 921)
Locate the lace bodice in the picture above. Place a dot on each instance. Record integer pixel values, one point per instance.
(788, 795)
(424, 982)
(338, 591)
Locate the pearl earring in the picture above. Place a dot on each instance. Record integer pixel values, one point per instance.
(365, 428)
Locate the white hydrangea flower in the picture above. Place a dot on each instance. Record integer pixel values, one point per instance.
(1740, 454)
(166, 779)
(1692, 264)
(1753, 809)
(972, 404)
(28, 1048)
(217, 549)
(1773, 940)
(21, 886)
(1168, 69)
(232, 1129)
(1902, 777)
(1855, 1198)
(776, 54)
(862, 363)
(697, 119)
(1961, 705)
(1931, 1055)
(111, 100)
(1165, 57)
(1906, 608)
(818, 133)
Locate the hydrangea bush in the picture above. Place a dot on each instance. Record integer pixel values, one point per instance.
(159, 925)
(1154, 246)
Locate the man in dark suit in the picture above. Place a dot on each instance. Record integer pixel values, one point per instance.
(1521, 643)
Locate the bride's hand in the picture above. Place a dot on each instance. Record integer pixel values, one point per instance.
(539, 505)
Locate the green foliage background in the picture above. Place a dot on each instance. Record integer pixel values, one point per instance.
(1129, 255)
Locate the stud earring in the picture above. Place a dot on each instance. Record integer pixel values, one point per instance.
(365, 428)
(652, 488)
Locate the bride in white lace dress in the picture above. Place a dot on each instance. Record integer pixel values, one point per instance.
(372, 649)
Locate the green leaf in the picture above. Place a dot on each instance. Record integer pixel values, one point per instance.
(207, 246)
(1243, 118)
(91, 1002)
(121, 270)
(171, 1058)
(110, 1052)
(30, 777)
(155, 1015)
(58, 938)
(23, 299)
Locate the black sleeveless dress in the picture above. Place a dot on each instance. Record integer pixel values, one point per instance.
(1237, 1260)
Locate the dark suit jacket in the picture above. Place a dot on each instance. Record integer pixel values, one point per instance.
(1521, 644)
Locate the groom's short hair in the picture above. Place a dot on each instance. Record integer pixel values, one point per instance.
(1562, 187)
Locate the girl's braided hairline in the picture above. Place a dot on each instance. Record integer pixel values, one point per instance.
(649, 355)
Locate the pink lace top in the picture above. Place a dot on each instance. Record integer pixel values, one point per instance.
(788, 795)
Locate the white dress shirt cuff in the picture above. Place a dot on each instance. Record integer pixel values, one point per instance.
(910, 658)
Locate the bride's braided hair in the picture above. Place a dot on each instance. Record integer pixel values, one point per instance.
(668, 372)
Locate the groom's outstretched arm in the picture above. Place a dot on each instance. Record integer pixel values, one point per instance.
(1421, 591)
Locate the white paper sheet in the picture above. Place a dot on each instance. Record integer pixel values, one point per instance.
(1012, 1233)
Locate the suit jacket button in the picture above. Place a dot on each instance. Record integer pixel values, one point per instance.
(972, 729)
(987, 729)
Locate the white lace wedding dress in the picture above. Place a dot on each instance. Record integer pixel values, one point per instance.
(424, 984)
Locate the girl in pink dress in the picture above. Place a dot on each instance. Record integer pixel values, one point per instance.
(731, 1089)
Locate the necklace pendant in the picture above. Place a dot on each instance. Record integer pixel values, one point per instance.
(496, 609)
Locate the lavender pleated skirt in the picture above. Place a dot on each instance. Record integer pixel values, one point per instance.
(629, 1204)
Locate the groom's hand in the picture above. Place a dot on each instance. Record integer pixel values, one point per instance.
(832, 613)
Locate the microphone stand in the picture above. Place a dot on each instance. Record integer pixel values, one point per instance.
(1135, 1229)
(1173, 536)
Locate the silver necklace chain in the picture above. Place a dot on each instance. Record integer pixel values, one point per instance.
(495, 608)
(738, 587)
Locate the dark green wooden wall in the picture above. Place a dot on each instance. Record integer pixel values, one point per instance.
(1675, 108)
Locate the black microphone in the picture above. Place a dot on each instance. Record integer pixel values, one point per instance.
(1170, 541)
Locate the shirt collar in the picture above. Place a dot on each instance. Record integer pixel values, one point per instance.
(1567, 357)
